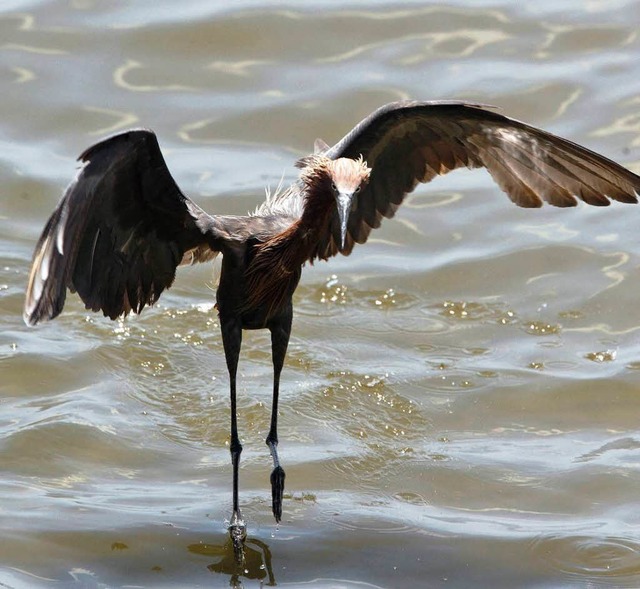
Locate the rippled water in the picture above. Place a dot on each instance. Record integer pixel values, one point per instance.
(460, 401)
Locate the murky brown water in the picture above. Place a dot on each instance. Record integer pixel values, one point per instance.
(461, 398)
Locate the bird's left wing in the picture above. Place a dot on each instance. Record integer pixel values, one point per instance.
(118, 234)
(405, 143)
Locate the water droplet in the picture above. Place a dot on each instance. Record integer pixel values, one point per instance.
(603, 356)
(541, 328)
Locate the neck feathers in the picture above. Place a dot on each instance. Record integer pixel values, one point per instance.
(275, 269)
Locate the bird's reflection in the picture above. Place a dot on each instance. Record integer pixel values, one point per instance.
(251, 561)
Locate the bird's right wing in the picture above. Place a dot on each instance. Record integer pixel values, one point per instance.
(118, 234)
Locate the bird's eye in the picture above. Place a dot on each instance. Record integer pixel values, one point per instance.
(357, 189)
(334, 187)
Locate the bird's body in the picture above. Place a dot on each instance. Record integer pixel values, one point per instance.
(123, 226)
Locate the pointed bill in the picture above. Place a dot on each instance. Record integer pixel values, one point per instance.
(343, 200)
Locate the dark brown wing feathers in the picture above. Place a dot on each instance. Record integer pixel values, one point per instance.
(410, 142)
(118, 234)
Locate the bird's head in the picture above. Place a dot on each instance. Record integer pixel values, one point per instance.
(348, 177)
(342, 179)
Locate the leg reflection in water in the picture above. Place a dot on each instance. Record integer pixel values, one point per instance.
(252, 562)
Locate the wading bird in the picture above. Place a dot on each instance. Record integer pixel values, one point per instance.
(123, 226)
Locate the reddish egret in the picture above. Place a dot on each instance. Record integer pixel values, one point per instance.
(123, 226)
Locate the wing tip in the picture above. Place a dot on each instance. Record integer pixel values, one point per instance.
(29, 319)
(32, 313)
(38, 310)
(88, 153)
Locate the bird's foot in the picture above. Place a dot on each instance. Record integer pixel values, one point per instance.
(237, 531)
(277, 491)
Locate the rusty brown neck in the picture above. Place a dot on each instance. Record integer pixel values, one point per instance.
(318, 208)
(275, 268)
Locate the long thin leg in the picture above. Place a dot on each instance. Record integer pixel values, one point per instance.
(280, 332)
(232, 340)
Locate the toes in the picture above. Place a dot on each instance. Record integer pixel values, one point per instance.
(237, 531)
(277, 491)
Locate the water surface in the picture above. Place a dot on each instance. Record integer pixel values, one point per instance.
(460, 401)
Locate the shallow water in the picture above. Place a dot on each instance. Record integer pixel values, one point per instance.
(460, 400)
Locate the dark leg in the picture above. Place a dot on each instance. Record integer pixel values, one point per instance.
(280, 332)
(232, 340)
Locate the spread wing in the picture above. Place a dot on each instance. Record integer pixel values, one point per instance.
(405, 143)
(118, 234)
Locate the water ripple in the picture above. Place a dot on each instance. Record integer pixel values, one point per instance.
(588, 556)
